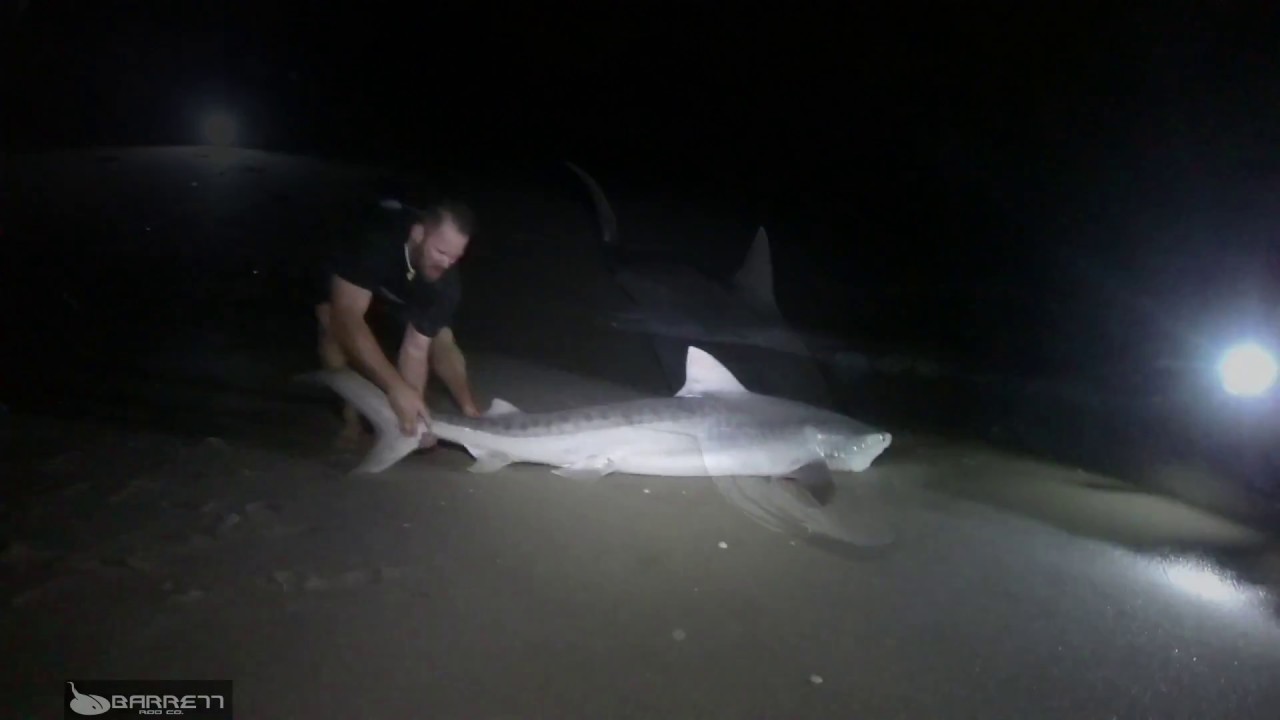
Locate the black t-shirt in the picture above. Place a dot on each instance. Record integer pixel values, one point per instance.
(373, 257)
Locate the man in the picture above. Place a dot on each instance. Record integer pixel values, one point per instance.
(408, 258)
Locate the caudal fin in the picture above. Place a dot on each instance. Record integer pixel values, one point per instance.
(390, 445)
(604, 212)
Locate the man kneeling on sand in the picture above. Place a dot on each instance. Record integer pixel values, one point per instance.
(406, 257)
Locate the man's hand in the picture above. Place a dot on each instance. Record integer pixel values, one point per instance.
(428, 440)
(409, 407)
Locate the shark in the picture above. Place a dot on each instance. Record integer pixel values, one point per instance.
(774, 458)
(675, 305)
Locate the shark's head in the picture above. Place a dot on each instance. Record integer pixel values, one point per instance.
(845, 444)
(849, 449)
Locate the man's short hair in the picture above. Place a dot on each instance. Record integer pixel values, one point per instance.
(437, 212)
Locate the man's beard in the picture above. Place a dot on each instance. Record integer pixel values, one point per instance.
(426, 267)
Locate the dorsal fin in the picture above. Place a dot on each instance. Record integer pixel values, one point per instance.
(704, 375)
(754, 280)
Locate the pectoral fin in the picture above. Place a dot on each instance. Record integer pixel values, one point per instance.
(815, 479)
(592, 467)
(489, 461)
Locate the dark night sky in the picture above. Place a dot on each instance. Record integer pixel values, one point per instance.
(1138, 135)
(815, 89)
(1001, 103)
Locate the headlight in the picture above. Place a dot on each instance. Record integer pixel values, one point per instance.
(1247, 370)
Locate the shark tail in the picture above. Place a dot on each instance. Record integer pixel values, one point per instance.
(604, 212)
(390, 444)
(753, 281)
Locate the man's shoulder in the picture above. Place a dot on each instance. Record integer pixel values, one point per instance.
(374, 239)
(383, 226)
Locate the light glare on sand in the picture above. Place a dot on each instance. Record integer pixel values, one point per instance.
(1248, 370)
(1202, 580)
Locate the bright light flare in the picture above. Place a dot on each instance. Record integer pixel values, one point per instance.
(1248, 370)
(220, 129)
(1203, 580)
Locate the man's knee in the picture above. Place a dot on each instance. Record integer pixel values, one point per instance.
(442, 342)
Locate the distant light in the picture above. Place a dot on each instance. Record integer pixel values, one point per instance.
(1248, 370)
(220, 129)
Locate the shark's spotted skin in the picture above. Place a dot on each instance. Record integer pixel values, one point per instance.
(713, 427)
(710, 412)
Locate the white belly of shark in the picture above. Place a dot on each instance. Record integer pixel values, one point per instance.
(713, 427)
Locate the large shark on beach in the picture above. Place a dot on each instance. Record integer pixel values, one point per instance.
(772, 457)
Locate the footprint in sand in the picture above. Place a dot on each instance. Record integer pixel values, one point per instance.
(343, 581)
(227, 525)
(265, 518)
(133, 488)
(263, 513)
(201, 541)
(142, 564)
(29, 596)
(63, 463)
(190, 596)
(75, 489)
(262, 517)
(108, 562)
(291, 580)
(72, 568)
(21, 556)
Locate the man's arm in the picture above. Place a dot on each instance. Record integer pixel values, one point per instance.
(350, 302)
(414, 352)
(451, 366)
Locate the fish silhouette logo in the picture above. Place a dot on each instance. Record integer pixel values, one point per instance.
(88, 704)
